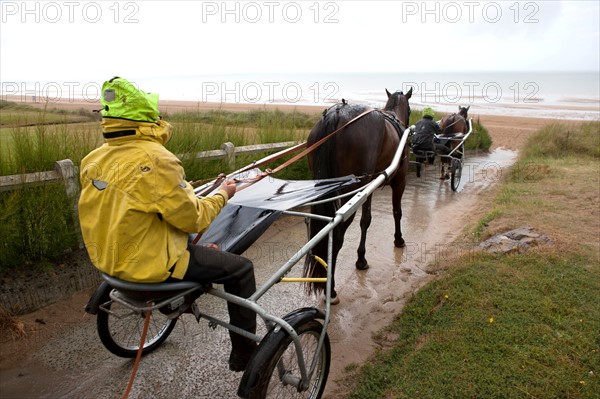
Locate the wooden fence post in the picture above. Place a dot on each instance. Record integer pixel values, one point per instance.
(229, 149)
(68, 173)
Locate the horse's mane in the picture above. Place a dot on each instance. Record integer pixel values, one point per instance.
(393, 101)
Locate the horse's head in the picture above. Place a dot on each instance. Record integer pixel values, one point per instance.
(462, 111)
(398, 104)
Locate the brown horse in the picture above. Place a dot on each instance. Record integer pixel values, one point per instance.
(455, 123)
(450, 126)
(363, 148)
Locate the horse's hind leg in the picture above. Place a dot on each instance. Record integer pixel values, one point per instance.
(365, 222)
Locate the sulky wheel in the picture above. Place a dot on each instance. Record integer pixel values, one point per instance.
(455, 174)
(120, 329)
(278, 363)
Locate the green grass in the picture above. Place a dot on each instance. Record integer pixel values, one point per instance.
(513, 326)
(484, 222)
(559, 140)
(496, 327)
(36, 148)
(15, 114)
(208, 130)
(36, 226)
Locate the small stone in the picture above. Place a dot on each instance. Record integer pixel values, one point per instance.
(514, 241)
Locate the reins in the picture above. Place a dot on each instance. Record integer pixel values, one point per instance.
(302, 154)
(265, 160)
(250, 181)
(455, 122)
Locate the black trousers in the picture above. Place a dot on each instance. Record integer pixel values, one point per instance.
(236, 273)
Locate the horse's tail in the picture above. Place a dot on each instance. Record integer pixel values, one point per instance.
(323, 167)
(323, 164)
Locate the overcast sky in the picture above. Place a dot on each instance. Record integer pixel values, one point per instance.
(90, 40)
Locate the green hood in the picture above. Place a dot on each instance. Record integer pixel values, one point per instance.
(427, 111)
(121, 99)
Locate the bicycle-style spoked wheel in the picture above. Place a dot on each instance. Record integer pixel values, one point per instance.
(282, 371)
(120, 330)
(456, 174)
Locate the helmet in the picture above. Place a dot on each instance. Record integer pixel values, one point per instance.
(121, 99)
(427, 111)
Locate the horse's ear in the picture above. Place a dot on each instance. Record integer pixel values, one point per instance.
(409, 93)
(468, 107)
(388, 93)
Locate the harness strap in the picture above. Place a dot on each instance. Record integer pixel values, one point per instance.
(268, 159)
(305, 152)
(394, 121)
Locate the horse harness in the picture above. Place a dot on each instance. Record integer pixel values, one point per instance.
(456, 121)
(397, 123)
(399, 127)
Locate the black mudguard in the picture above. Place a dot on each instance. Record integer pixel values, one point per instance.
(100, 296)
(276, 334)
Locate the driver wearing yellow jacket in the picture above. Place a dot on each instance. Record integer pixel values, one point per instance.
(137, 210)
(136, 207)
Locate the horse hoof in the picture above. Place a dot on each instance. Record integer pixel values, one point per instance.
(362, 266)
(399, 243)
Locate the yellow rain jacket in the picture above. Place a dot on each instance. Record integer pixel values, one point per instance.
(136, 208)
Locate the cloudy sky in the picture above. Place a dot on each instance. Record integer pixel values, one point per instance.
(91, 40)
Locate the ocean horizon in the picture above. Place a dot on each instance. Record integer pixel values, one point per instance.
(560, 95)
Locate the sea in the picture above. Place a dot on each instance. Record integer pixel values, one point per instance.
(560, 95)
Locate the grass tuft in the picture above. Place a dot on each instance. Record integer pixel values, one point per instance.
(559, 140)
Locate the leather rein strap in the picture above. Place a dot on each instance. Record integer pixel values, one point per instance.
(305, 152)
